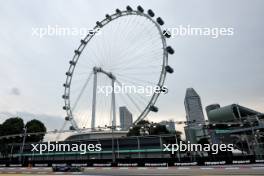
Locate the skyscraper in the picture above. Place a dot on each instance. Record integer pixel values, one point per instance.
(193, 107)
(126, 119)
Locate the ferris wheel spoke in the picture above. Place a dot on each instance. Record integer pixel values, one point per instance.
(90, 59)
(131, 99)
(133, 69)
(142, 41)
(141, 98)
(82, 120)
(82, 90)
(135, 35)
(134, 82)
(146, 48)
(129, 104)
(87, 61)
(105, 50)
(94, 59)
(147, 73)
(137, 56)
(138, 46)
(118, 31)
(136, 79)
(98, 53)
(137, 66)
(128, 30)
(128, 33)
(94, 51)
(138, 60)
(140, 38)
(141, 67)
(145, 98)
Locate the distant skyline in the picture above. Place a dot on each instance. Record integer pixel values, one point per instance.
(225, 70)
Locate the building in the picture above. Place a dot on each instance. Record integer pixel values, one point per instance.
(194, 130)
(126, 119)
(193, 108)
(239, 125)
(170, 125)
(230, 113)
(132, 150)
(211, 107)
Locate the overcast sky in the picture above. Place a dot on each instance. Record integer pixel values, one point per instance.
(225, 70)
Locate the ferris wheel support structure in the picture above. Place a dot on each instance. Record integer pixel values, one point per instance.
(97, 70)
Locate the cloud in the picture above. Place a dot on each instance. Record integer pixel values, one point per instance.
(15, 91)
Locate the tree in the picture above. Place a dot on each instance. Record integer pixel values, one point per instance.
(11, 126)
(1, 130)
(158, 129)
(15, 126)
(35, 126)
(135, 131)
(178, 134)
(148, 128)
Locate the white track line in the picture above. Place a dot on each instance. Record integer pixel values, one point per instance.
(46, 168)
(107, 168)
(57, 173)
(256, 168)
(183, 168)
(42, 172)
(232, 168)
(26, 172)
(90, 168)
(162, 168)
(11, 172)
(206, 168)
(123, 168)
(75, 173)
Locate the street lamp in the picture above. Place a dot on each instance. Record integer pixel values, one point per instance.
(23, 143)
(113, 127)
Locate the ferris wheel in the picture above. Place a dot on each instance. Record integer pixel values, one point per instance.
(119, 65)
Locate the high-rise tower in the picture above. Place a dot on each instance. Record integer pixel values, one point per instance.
(193, 107)
(126, 119)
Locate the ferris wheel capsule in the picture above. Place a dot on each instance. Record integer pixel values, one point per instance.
(170, 50)
(153, 108)
(151, 13)
(129, 8)
(169, 69)
(160, 21)
(77, 52)
(140, 9)
(118, 11)
(166, 33)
